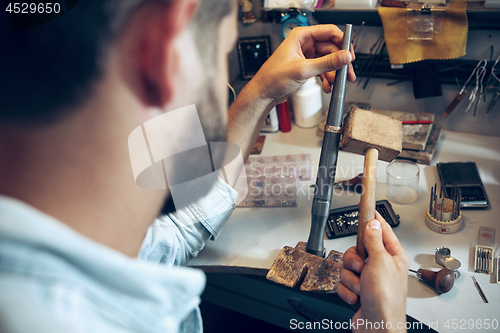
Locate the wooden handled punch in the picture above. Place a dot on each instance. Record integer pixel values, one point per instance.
(376, 137)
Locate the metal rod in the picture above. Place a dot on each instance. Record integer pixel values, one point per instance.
(477, 261)
(487, 261)
(362, 70)
(379, 56)
(435, 203)
(430, 202)
(453, 205)
(482, 261)
(328, 159)
(459, 201)
(442, 208)
(455, 195)
(483, 296)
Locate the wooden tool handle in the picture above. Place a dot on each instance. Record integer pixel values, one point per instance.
(367, 201)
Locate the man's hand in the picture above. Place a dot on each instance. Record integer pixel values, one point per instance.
(383, 283)
(306, 52)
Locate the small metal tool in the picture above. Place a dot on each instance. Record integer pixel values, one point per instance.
(443, 257)
(356, 38)
(498, 269)
(480, 291)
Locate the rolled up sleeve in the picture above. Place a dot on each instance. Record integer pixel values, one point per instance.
(175, 238)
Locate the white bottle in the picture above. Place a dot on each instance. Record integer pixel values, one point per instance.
(307, 105)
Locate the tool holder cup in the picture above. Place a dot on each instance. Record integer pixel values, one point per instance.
(444, 215)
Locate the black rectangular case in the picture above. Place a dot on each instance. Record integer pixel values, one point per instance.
(343, 222)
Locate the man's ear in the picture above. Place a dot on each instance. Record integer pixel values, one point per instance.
(158, 60)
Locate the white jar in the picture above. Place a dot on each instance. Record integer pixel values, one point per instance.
(307, 105)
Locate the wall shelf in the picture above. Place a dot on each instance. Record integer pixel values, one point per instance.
(479, 19)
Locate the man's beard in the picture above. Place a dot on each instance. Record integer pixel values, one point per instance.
(214, 128)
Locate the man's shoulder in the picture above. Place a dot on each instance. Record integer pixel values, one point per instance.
(44, 290)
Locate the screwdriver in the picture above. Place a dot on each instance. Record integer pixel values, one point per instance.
(441, 280)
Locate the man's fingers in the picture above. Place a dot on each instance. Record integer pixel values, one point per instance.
(328, 63)
(353, 261)
(350, 280)
(351, 76)
(346, 294)
(321, 32)
(391, 242)
(373, 238)
(325, 48)
(327, 88)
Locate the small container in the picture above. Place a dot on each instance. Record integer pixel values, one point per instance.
(307, 104)
(483, 260)
(402, 182)
(271, 124)
(284, 117)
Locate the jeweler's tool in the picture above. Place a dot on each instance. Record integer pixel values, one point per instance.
(484, 260)
(479, 290)
(454, 103)
(328, 159)
(443, 257)
(305, 265)
(445, 217)
(442, 281)
(356, 38)
(376, 137)
(498, 269)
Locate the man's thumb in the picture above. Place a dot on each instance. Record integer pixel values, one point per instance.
(373, 237)
(330, 62)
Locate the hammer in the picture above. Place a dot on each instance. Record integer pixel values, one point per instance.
(376, 137)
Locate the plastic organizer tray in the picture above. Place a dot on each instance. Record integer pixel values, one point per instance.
(273, 181)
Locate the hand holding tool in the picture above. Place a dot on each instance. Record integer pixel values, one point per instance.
(305, 265)
(442, 280)
(376, 137)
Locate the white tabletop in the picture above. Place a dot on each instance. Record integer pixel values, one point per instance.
(253, 237)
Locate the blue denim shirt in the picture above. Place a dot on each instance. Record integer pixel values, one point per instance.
(53, 279)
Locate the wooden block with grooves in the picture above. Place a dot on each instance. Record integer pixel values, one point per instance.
(294, 268)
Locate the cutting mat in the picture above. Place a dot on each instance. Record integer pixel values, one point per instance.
(415, 137)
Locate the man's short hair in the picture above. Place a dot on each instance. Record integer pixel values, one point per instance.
(53, 66)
